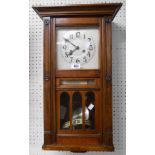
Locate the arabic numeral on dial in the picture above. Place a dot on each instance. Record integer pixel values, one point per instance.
(89, 39)
(77, 61)
(66, 54)
(88, 54)
(64, 47)
(84, 36)
(71, 36)
(77, 34)
(85, 59)
(71, 59)
(90, 47)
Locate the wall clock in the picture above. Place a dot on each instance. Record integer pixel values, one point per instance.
(78, 76)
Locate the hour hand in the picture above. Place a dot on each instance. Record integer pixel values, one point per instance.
(72, 51)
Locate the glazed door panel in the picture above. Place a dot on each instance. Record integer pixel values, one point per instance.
(78, 111)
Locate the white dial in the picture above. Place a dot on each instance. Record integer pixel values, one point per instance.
(77, 47)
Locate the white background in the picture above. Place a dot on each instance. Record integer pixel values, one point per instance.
(14, 66)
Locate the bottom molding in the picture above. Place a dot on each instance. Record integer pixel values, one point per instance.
(78, 148)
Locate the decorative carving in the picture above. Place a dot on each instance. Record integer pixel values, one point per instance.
(108, 20)
(46, 77)
(46, 21)
(108, 77)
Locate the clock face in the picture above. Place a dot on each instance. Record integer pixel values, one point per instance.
(77, 48)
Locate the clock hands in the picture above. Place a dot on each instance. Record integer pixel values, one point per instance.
(76, 47)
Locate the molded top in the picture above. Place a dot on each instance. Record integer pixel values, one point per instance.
(102, 9)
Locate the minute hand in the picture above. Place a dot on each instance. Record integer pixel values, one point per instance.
(71, 43)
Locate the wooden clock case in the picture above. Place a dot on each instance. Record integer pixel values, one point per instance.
(85, 15)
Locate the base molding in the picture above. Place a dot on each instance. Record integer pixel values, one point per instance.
(78, 148)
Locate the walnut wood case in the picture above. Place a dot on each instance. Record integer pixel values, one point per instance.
(101, 137)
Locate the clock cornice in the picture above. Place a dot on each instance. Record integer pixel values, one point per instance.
(102, 9)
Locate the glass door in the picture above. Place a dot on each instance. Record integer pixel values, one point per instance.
(78, 110)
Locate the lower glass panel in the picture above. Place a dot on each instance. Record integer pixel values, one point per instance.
(82, 114)
(64, 110)
(77, 111)
(90, 110)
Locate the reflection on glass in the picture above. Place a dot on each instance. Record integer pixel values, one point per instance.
(64, 110)
(90, 109)
(77, 111)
